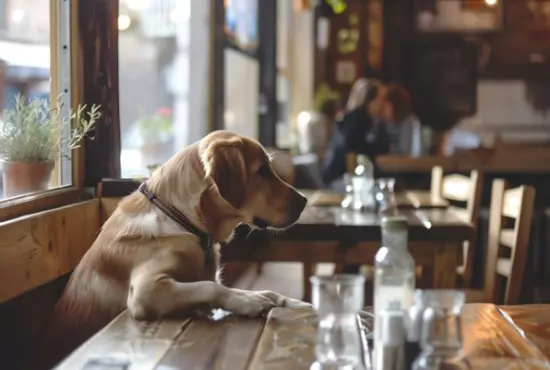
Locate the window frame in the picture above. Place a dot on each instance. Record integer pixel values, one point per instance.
(78, 49)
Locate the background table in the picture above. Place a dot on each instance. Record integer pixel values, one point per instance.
(334, 235)
(415, 199)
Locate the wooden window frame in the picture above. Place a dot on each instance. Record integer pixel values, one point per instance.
(94, 80)
(47, 233)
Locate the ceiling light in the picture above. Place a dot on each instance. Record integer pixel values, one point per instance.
(124, 22)
(491, 2)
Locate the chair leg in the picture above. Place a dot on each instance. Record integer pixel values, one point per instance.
(308, 271)
(424, 277)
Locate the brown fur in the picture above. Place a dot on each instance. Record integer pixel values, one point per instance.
(144, 262)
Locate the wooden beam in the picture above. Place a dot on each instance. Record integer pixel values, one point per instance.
(267, 54)
(98, 37)
(39, 248)
(217, 73)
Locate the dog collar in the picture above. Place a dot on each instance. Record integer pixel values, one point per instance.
(178, 217)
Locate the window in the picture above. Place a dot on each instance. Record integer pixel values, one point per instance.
(35, 57)
(147, 52)
(163, 74)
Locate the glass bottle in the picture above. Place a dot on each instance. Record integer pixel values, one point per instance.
(394, 267)
(337, 300)
(442, 332)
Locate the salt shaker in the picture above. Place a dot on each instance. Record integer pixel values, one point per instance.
(414, 328)
(390, 351)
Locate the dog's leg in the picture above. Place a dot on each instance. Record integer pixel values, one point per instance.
(162, 296)
(154, 293)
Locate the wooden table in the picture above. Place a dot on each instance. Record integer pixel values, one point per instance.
(336, 235)
(285, 340)
(414, 199)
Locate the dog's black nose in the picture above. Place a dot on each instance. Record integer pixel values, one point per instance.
(242, 230)
(300, 202)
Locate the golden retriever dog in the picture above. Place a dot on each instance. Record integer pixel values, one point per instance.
(145, 261)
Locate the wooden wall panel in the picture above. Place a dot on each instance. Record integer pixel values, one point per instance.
(39, 248)
(22, 318)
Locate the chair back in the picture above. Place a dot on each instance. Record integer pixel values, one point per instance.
(468, 191)
(507, 247)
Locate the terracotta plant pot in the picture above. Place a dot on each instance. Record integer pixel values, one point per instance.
(25, 177)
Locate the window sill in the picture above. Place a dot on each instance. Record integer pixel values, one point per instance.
(43, 201)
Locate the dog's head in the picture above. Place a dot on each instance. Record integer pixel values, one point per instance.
(243, 178)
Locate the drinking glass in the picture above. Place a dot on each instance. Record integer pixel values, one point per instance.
(347, 202)
(363, 197)
(338, 299)
(441, 332)
(385, 193)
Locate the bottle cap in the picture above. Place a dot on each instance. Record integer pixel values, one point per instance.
(362, 159)
(395, 223)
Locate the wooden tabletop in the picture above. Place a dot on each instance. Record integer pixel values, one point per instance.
(283, 340)
(414, 199)
(337, 224)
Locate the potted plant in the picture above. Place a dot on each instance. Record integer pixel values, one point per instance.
(32, 138)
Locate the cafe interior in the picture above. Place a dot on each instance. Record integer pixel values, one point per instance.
(412, 127)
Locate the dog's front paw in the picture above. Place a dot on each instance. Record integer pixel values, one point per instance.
(251, 304)
(297, 304)
(282, 301)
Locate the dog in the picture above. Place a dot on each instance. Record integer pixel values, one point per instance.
(146, 261)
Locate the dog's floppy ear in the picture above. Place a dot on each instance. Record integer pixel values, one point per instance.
(224, 164)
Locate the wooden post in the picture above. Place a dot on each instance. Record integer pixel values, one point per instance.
(98, 38)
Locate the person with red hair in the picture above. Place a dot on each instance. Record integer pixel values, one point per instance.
(405, 132)
(378, 120)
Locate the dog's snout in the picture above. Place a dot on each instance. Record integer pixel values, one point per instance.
(296, 206)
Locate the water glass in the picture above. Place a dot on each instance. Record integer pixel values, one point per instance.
(362, 192)
(384, 193)
(338, 299)
(347, 202)
(441, 331)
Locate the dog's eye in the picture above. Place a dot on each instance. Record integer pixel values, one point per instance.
(264, 171)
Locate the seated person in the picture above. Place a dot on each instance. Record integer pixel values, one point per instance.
(407, 135)
(370, 111)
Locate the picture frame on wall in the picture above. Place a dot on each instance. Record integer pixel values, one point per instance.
(346, 72)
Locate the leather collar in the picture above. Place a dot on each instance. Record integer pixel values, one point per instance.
(178, 217)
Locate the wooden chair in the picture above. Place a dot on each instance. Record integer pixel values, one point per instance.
(468, 191)
(516, 204)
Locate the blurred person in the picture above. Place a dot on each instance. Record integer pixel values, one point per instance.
(350, 130)
(406, 133)
(370, 126)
